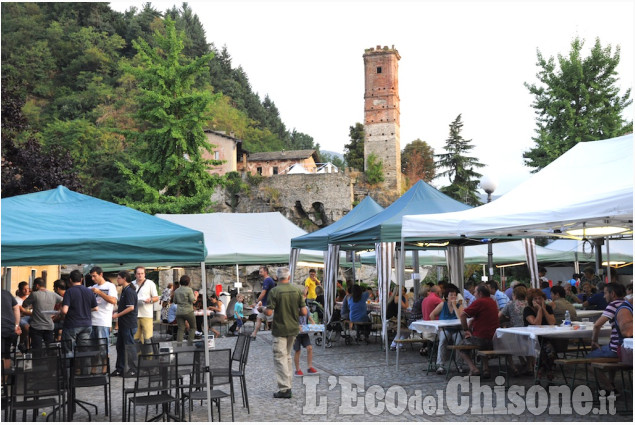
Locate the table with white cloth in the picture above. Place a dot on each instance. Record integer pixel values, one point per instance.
(433, 327)
(370, 306)
(590, 314)
(524, 341)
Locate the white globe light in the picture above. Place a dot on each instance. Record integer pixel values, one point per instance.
(489, 183)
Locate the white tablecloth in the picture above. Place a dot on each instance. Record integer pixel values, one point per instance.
(523, 341)
(588, 313)
(433, 326)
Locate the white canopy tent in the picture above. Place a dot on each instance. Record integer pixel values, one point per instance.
(587, 188)
(254, 238)
(587, 191)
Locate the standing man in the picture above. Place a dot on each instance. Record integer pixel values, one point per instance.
(126, 316)
(10, 326)
(106, 294)
(77, 306)
(287, 302)
(310, 284)
(261, 303)
(147, 295)
(42, 301)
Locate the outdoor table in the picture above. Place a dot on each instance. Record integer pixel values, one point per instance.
(591, 314)
(433, 326)
(200, 312)
(525, 340)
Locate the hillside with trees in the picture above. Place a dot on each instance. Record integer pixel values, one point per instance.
(75, 79)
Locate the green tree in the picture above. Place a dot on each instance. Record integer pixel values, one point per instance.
(170, 174)
(375, 170)
(354, 151)
(577, 100)
(459, 167)
(417, 162)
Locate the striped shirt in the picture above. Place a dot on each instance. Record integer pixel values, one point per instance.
(609, 312)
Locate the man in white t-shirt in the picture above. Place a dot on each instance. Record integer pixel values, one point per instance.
(147, 295)
(106, 294)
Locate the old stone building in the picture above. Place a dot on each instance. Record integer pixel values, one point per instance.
(381, 112)
(268, 164)
(226, 148)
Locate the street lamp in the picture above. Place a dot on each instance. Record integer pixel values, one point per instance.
(488, 184)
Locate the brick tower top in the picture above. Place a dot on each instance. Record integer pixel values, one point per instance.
(381, 92)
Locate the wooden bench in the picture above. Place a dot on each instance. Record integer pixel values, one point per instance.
(581, 362)
(410, 341)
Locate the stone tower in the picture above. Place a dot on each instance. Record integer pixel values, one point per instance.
(381, 112)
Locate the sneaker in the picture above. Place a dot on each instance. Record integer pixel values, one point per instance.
(393, 348)
(312, 371)
(282, 394)
(197, 333)
(116, 373)
(130, 374)
(441, 370)
(298, 373)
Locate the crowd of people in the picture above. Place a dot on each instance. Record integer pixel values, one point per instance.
(483, 308)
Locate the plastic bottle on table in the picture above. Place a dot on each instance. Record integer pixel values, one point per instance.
(567, 318)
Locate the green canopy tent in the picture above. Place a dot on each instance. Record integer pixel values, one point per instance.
(60, 226)
(383, 230)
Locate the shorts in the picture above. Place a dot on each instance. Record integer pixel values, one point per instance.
(262, 316)
(25, 320)
(6, 346)
(481, 343)
(302, 340)
(144, 329)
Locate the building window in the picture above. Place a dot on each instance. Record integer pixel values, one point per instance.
(259, 171)
(379, 69)
(216, 155)
(275, 171)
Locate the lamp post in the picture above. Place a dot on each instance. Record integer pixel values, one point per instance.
(488, 184)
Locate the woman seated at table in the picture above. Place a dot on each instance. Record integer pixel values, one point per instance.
(392, 311)
(538, 312)
(357, 310)
(450, 309)
(219, 309)
(513, 311)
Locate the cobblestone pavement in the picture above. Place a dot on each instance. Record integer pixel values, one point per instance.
(326, 396)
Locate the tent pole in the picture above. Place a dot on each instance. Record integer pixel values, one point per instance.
(416, 280)
(205, 333)
(608, 260)
(237, 279)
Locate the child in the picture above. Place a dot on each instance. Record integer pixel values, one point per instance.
(238, 315)
(303, 340)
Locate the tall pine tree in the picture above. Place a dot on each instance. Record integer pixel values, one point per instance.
(170, 174)
(577, 100)
(459, 167)
(354, 151)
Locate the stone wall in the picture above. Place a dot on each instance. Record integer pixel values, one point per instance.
(311, 201)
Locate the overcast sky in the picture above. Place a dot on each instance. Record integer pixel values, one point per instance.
(467, 58)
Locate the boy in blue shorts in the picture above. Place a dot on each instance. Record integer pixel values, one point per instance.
(303, 340)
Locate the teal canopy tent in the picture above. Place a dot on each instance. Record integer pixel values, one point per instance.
(318, 240)
(60, 226)
(385, 226)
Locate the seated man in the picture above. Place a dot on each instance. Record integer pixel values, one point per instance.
(614, 293)
(500, 297)
(596, 301)
(619, 313)
(560, 305)
(484, 312)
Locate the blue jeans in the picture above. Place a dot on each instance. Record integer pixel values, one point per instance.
(70, 336)
(100, 332)
(126, 349)
(602, 352)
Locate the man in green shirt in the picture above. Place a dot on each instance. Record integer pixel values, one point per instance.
(286, 300)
